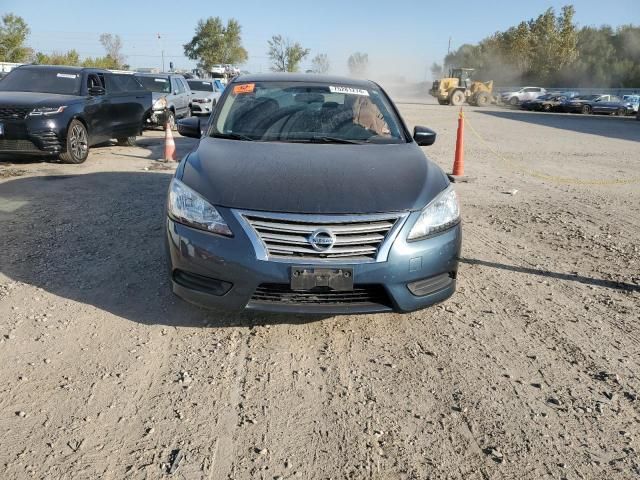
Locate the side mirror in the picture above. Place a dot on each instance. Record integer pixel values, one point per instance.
(424, 136)
(96, 91)
(190, 127)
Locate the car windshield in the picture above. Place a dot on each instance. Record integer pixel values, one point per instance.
(43, 80)
(200, 85)
(307, 112)
(586, 97)
(155, 84)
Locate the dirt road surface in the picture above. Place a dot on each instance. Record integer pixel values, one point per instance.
(531, 371)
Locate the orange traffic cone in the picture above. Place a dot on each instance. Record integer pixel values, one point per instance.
(458, 162)
(169, 144)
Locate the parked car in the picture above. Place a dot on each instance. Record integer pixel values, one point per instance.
(547, 103)
(525, 93)
(588, 104)
(632, 102)
(56, 110)
(205, 96)
(171, 94)
(218, 70)
(307, 193)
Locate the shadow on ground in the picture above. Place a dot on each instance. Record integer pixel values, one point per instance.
(98, 239)
(624, 128)
(598, 282)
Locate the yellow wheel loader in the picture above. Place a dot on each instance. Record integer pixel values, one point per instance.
(458, 88)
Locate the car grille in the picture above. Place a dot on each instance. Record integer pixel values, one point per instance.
(282, 294)
(357, 238)
(17, 146)
(14, 113)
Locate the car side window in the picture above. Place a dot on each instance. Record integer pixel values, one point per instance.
(93, 81)
(113, 84)
(185, 86)
(177, 86)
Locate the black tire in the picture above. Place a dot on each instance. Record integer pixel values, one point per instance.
(171, 120)
(586, 110)
(483, 99)
(77, 143)
(443, 102)
(513, 101)
(622, 112)
(127, 141)
(546, 107)
(457, 98)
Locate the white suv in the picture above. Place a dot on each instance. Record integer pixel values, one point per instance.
(524, 94)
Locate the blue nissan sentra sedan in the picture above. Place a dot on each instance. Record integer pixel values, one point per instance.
(309, 194)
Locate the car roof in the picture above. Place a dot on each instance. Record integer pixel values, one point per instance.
(303, 78)
(161, 74)
(62, 68)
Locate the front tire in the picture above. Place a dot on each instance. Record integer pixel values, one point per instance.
(586, 110)
(77, 143)
(457, 98)
(483, 99)
(127, 141)
(514, 101)
(171, 120)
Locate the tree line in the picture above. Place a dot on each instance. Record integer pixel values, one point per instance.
(14, 32)
(551, 50)
(214, 42)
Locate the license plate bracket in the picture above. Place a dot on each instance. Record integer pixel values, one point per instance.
(305, 278)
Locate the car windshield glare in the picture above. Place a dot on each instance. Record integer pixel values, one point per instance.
(155, 84)
(307, 112)
(200, 85)
(42, 80)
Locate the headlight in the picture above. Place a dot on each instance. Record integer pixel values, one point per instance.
(188, 207)
(36, 112)
(443, 212)
(160, 104)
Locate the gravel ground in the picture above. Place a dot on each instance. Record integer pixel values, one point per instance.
(530, 371)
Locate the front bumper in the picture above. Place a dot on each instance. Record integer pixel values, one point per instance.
(225, 273)
(201, 108)
(157, 118)
(44, 136)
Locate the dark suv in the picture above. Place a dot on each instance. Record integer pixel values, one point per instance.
(56, 110)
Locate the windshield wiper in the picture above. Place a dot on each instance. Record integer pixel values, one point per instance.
(233, 136)
(326, 139)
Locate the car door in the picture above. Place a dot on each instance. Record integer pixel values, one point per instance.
(97, 109)
(178, 93)
(602, 104)
(127, 105)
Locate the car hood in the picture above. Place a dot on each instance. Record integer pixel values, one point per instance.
(35, 99)
(312, 178)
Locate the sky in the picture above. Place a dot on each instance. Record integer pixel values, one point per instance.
(402, 37)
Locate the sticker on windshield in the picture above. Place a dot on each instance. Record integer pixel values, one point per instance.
(160, 80)
(67, 75)
(244, 88)
(349, 90)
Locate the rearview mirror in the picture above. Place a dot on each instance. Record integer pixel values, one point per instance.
(96, 91)
(424, 136)
(189, 127)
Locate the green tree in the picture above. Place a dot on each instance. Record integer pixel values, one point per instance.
(358, 64)
(71, 58)
(285, 55)
(13, 35)
(320, 63)
(214, 43)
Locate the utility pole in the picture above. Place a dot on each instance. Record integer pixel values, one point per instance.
(161, 50)
(444, 63)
